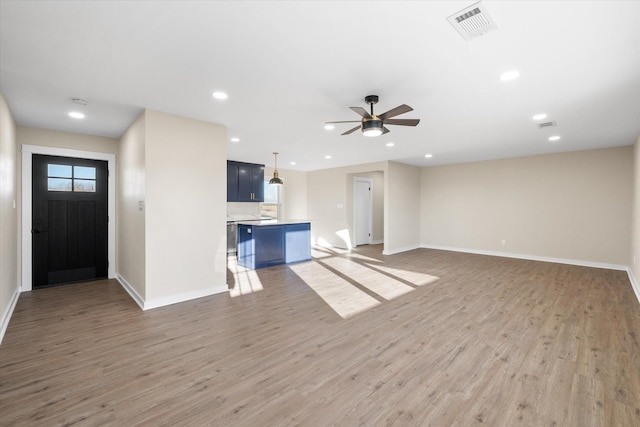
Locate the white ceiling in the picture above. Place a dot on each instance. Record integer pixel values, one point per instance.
(290, 66)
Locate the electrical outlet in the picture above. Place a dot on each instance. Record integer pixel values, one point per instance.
(504, 242)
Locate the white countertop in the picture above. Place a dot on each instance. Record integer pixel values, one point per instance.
(239, 218)
(274, 222)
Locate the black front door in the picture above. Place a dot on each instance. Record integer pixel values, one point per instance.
(69, 220)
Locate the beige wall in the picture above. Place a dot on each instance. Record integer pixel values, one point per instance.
(131, 219)
(295, 192)
(635, 232)
(328, 204)
(185, 207)
(68, 140)
(402, 208)
(9, 266)
(574, 206)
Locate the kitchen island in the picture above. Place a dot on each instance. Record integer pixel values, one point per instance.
(266, 243)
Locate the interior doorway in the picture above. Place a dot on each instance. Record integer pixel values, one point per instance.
(362, 210)
(69, 220)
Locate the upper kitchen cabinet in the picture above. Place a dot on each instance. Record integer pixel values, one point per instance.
(245, 182)
(232, 181)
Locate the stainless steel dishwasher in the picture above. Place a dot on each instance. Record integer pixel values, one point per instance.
(232, 237)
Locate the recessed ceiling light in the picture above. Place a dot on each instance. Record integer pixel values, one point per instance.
(292, 163)
(509, 75)
(76, 115)
(540, 116)
(428, 156)
(329, 126)
(220, 95)
(390, 144)
(554, 138)
(234, 139)
(327, 157)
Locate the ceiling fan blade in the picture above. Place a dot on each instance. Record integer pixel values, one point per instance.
(402, 122)
(385, 130)
(345, 121)
(404, 108)
(362, 112)
(351, 130)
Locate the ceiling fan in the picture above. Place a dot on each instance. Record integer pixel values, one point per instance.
(373, 125)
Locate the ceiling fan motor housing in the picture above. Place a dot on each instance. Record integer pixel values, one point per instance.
(372, 127)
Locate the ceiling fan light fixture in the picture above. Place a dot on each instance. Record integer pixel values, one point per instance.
(372, 128)
(275, 180)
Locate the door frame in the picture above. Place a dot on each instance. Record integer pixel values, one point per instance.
(355, 208)
(27, 186)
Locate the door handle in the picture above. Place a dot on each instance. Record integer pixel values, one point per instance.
(38, 231)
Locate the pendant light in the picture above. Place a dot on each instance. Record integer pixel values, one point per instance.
(275, 180)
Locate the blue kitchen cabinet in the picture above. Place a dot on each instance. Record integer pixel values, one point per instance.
(297, 238)
(264, 245)
(245, 182)
(232, 181)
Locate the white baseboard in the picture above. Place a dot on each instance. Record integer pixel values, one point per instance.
(377, 242)
(6, 316)
(634, 283)
(132, 292)
(530, 257)
(399, 250)
(173, 299)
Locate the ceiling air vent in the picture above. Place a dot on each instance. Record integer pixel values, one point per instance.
(547, 125)
(472, 21)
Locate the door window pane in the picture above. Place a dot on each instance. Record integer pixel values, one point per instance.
(59, 184)
(59, 171)
(84, 172)
(84, 185)
(65, 178)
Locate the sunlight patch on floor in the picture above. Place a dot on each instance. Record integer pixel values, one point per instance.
(317, 252)
(344, 298)
(385, 286)
(246, 282)
(414, 277)
(361, 257)
(348, 281)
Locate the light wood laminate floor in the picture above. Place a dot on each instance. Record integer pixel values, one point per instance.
(423, 338)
